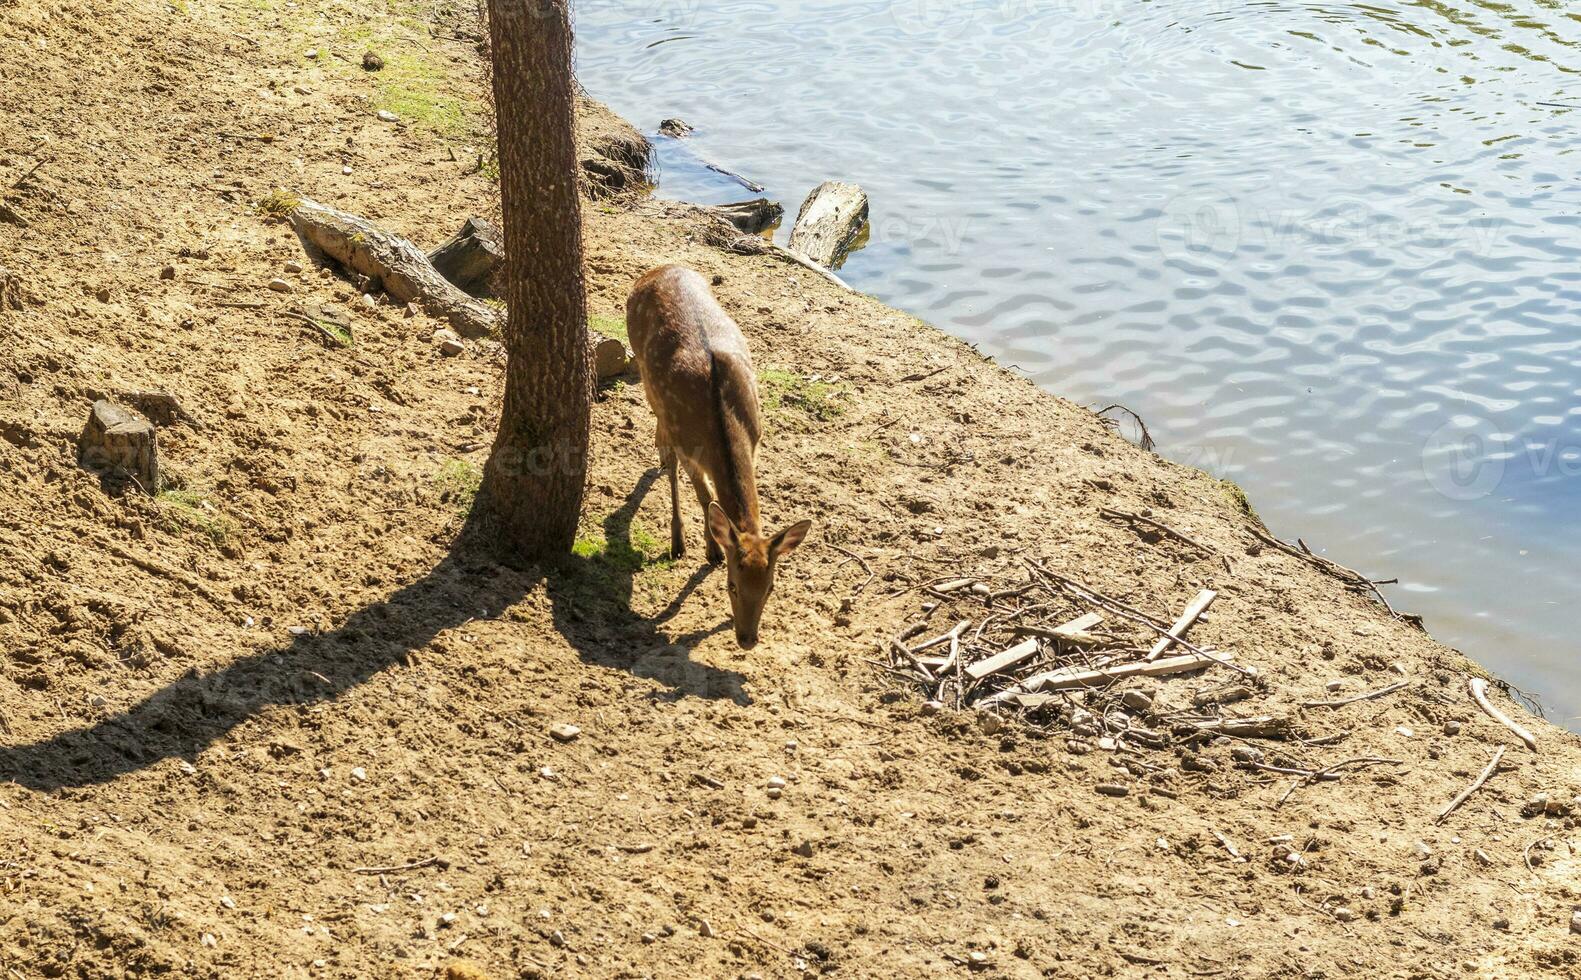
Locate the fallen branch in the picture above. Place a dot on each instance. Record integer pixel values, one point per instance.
(1476, 784)
(1333, 568)
(399, 266)
(1110, 512)
(1368, 696)
(1479, 692)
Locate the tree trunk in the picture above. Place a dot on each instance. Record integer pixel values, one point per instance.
(533, 482)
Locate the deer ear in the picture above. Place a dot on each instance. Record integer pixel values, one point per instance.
(724, 532)
(789, 539)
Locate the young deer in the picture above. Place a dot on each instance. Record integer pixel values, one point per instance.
(699, 380)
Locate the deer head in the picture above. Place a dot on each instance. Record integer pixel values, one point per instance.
(749, 561)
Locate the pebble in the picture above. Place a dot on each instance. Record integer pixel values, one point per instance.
(564, 732)
(1575, 921)
(386, 115)
(990, 723)
(447, 920)
(369, 301)
(649, 937)
(1423, 852)
(978, 957)
(293, 268)
(168, 272)
(1482, 857)
(209, 940)
(549, 774)
(776, 782)
(932, 707)
(1137, 701)
(804, 849)
(1333, 686)
(311, 55)
(1246, 753)
(449, 342)
(346, 171)
(1502, 924)
(1344, 914)
(1451, 728)
(1108, 744)
(228, 901)
(1405, 732)
(360, 774)
(279, 285)
(1369, 893)
(774, 792)
(302, 90)
(705, 929)
(103, 295)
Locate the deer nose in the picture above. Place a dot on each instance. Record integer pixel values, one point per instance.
(747, 642)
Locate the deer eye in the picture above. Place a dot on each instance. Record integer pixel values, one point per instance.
(731, 588)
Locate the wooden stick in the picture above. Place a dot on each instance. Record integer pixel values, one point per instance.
(1359, 697)
(1097, 598)
(1198, 606)
(1000, 661)
(1066, 677)
(425, 862)
(1157, 526)
(1479, 691)
(1476, 784)
(955, 631)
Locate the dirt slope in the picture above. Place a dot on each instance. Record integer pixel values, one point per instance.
(224, 709)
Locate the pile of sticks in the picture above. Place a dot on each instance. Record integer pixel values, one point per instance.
(1056, 651)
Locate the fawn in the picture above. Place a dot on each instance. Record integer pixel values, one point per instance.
(700, 384)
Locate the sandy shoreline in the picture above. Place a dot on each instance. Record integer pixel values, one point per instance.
(222, 711)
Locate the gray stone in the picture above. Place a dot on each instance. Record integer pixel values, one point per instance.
(115, 441)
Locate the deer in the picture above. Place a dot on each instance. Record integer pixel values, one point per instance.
(698, 378)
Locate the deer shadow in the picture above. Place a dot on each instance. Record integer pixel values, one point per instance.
(470, 583)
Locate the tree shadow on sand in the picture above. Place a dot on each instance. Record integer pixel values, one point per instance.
(591, 601)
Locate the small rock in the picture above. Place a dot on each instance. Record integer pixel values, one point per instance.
(1405, 732)
(1139, 701)
(932, 707)
(1344, 914)
(346, 171)
(1108, 744)
(369, 302)
(279, 285)
(302, 90)
(386, 115)
(1482, 857)
(360, 774)
(103, 295)
(293, 268)
(1246, 753)
(311, 55)
(168, 272)
(705, 929)
(564, 732)
(1113, 789)
(675, 128)
(649, 938)
(549, 774)
(977, 958)
(372, 62)
(776, 782)
(1575, 921)
(449, 342)
(1333, 686)
(410, 311)
(1452, 728)
(1502, 924)
(774, 792)
(447, 920)
(228, 901)
(1423, 852)
(804, 849)
(1369, 893)
(990, 723)
(209, 940)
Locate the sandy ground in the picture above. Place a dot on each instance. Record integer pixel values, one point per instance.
(224, 710)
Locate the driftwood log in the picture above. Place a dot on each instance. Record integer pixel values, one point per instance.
(751, 217)
(609, 357)
(471, 259)
(116, 442)
(10, 290)
(402, 269)
(829, 221)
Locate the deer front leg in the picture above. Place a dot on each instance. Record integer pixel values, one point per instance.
(704, 498)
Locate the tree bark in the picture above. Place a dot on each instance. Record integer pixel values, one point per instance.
(533, 482)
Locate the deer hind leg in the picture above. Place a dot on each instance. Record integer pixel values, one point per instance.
(669, 460)
(705, 497)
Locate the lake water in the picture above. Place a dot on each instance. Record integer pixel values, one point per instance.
(1327, 250)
